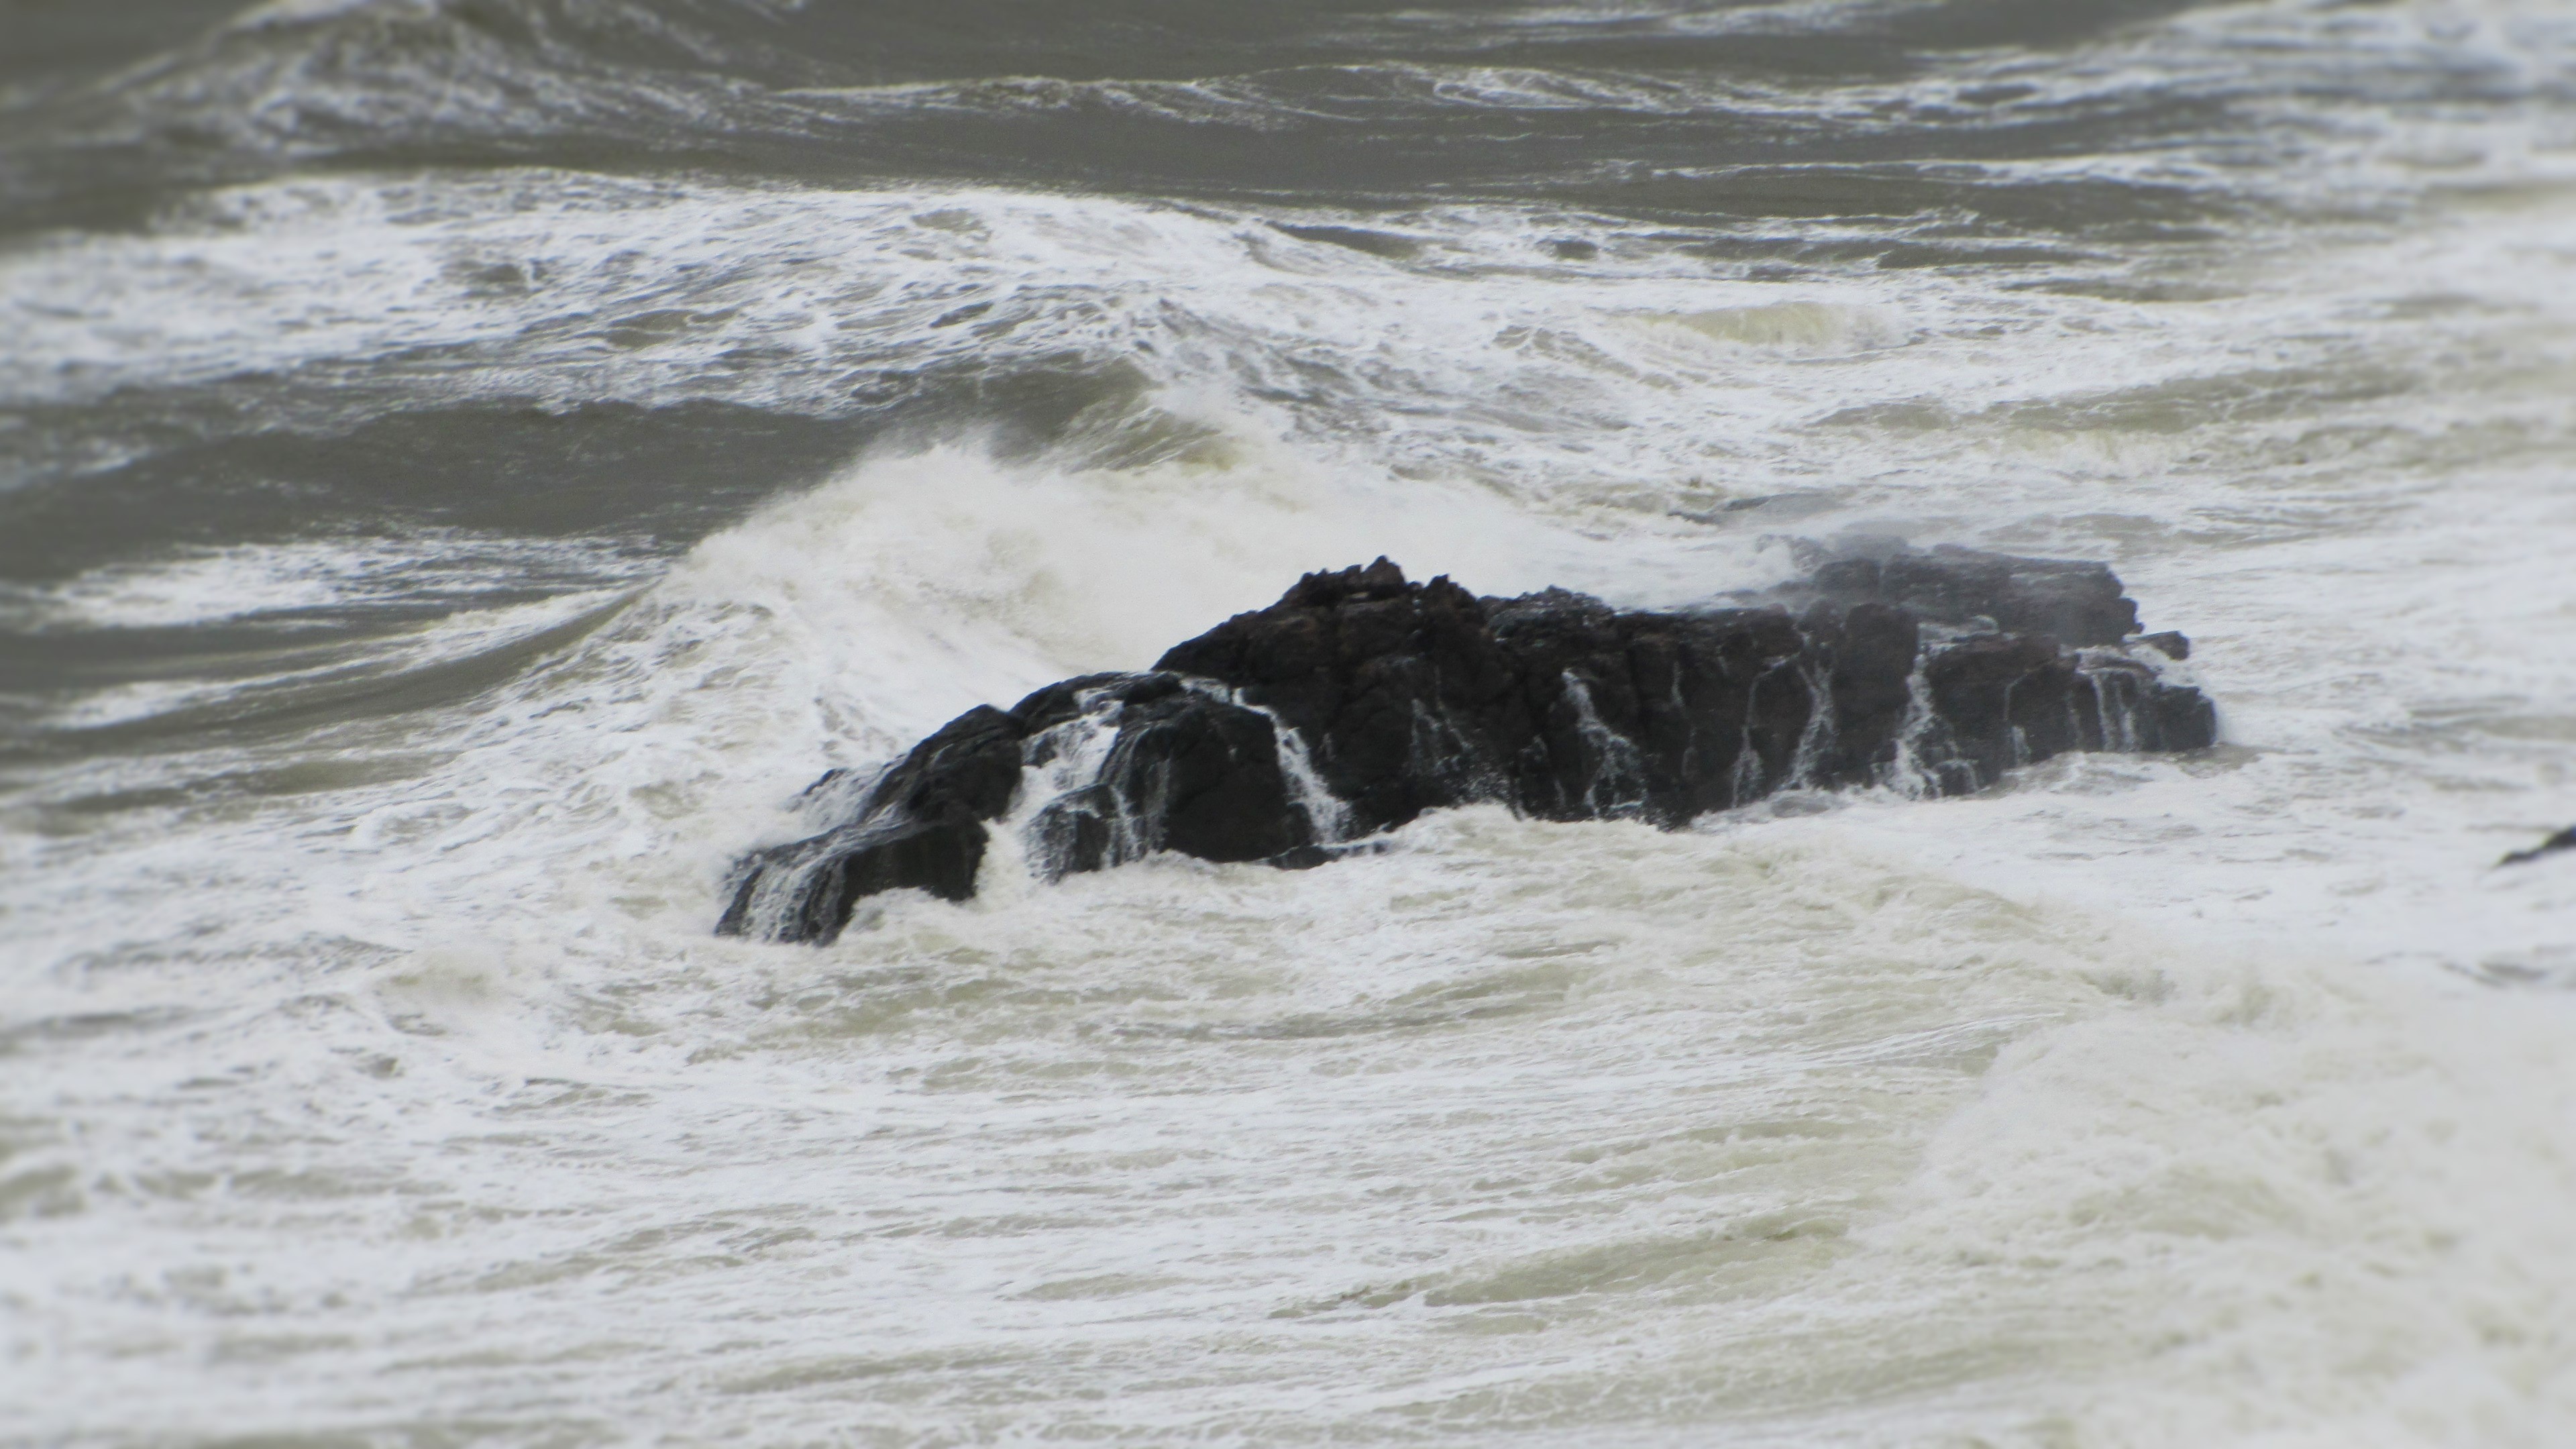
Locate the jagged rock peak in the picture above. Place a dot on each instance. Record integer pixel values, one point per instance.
(1324, 588)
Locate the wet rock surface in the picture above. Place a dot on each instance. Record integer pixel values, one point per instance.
(1362, 699)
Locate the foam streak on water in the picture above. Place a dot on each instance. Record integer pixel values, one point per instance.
(509, 449)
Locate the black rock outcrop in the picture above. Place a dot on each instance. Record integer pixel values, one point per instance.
(1362, 699)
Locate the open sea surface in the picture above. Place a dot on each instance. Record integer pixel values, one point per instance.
(465, 464)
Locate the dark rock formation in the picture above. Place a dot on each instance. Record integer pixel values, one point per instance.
(1186, 770)
(1361, 699)
(2077, 604)
(2563, 840)
(2170, 644)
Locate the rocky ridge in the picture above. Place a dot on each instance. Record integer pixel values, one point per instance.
(1362, 699)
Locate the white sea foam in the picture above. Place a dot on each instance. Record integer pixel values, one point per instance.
(298, 579)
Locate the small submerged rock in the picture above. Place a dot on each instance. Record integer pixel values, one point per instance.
(1361, 699)
(2563, 840)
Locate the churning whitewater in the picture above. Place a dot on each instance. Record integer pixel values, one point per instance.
(467, 465)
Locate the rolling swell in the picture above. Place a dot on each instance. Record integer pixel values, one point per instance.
(1686, 115)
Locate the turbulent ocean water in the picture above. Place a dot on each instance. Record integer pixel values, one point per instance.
(466, 464)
